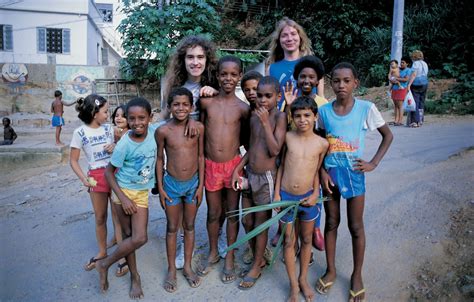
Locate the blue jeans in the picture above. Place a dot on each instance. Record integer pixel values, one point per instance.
(419, 94)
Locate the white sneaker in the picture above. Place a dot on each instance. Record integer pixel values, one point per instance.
(222, 245)
(179, 260)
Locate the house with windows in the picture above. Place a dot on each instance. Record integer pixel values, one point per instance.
(64, 32)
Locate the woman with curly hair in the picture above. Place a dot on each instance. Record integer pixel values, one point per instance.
(289, 43)
(193, 66)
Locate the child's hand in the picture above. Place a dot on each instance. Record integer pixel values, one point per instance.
(262, 114)
(363, 166)
(109, 148)
(289, 93)
(235, 180)
(326, 181)
(191, 129)
(277, 198)
(198, 196)
(129, 207)
(86, 182)
(207, 91)
(310, 201)
(163, 198)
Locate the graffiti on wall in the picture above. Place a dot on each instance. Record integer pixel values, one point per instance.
(14, 73)
(77, 81)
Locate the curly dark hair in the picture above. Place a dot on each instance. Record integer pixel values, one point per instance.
(176, 74)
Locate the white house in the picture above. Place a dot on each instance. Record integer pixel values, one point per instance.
(69, 32)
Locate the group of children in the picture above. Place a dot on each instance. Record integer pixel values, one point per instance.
(279, 164)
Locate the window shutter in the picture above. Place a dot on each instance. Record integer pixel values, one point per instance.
(66, 41)
(8, 37)
(41, 39)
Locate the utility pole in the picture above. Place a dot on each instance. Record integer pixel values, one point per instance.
(397, 30)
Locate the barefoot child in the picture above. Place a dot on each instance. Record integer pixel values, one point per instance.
(96, 139)
(298, 180)
(344, 122)
(308, 73)
(223, 117)
(134, 156)
(57, 108)
(267, 135)
(181, 184)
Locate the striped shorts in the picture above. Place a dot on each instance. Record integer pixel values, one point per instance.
(262, 186)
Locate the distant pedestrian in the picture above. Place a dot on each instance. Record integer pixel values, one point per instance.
(9, 135)
(400, 83)
(57, 108)
(419, 87)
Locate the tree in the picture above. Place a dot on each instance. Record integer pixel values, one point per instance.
(152, 30)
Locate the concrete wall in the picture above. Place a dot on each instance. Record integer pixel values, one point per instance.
(34, 93)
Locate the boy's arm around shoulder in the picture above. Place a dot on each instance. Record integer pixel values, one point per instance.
(160, 139)
(201, 164)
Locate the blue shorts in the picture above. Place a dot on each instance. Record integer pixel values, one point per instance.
(350, 183)
(304, 213)
(57, 121)
(179, 190)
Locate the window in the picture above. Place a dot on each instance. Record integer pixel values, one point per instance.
(6, 37)
(106, 11)
(53, 40)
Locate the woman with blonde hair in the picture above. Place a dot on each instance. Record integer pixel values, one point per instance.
(419, 85)
(289, 43)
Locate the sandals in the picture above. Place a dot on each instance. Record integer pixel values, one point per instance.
(122, 269)
(194, 282)
(250, 281)
(91, 264)
(171, 285)
(354, 295)
(323, 287)
(228, 275)
(204, 270)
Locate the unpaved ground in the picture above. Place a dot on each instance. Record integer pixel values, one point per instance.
(418, 218)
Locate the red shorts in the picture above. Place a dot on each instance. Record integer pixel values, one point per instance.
(99, 176)
(219, 175)
(399, 94)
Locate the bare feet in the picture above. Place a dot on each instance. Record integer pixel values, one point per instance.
(307, 290)
(294, 295)
(205, 266)
(136, 291)
(103, 272)
(171, 284)
(60, 144)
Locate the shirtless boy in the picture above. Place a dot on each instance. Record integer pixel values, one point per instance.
(267, 135)
(181, 184)
(223, 117)
(298, 180)
(57, 108)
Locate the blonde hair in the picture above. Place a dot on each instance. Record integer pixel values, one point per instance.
(276, 51)
(417, 55)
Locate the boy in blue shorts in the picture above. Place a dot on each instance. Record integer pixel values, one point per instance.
(344, 122)
(298, 180)
(57, 121)
(181, 184)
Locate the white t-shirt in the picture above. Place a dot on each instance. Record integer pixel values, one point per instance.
(92, 142)
(421, 68)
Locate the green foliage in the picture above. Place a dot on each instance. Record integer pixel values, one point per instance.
(247, 58)
(459, 100)
(150, 33)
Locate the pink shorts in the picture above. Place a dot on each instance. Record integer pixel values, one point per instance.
(99, 176)
(219, 175)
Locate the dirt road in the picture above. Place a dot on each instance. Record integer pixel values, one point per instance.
(47, 229)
